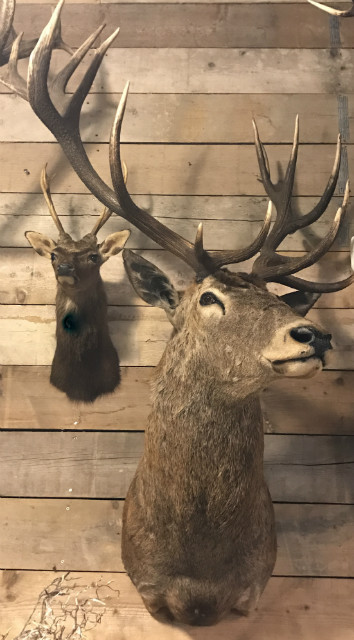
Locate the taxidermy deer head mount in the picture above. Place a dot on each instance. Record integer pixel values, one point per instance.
(85, 364)
(198, 533)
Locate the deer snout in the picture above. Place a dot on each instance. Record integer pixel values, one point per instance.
(65, 269)
(319, 341)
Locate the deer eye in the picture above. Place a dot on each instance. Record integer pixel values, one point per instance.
(209, 298)
(94, 257)
(53, 257)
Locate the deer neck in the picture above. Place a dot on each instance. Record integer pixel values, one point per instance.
(200, 439)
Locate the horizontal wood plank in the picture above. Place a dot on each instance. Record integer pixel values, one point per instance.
(25, 278)
(210, 70)
(84, 535)
(190, 25)
(28, 401)
(102, 465)
(289, 608)
(189, 118)
(168, 169)
(139, 333)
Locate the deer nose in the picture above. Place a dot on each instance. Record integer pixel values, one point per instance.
(320, 342)
(65, 269)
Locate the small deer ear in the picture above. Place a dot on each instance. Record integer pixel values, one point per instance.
(113, 244)
(149, 282)
(41, 243)
(300, 301)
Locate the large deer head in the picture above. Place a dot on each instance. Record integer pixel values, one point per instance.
(61, 114)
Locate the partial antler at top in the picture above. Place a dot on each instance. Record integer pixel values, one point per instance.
(61, 114)
(345, 13)
(276, 268)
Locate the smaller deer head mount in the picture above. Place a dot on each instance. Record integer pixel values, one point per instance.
(85, 363)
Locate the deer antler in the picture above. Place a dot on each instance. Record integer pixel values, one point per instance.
(275, 268)
(346, 13)
(62, 119)
(13, 48)
(48, 198)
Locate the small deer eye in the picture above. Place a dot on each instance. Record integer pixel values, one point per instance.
(53, 257)
(94, 257)
(208, 298)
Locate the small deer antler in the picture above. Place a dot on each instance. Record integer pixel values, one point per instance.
(275, 268)
(345, 13)
(48, 198)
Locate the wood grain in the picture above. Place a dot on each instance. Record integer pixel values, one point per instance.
(25, 278)
(84, 535)
(168, 169)
(190, 25)
(188, 118)
(28, 401)
(102, 465)
(289, 608)
(139, 333)
(212, 70)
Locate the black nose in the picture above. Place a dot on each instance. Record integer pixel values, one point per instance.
(320, 342)
(65, 269)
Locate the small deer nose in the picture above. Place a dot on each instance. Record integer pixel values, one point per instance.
(65, 269)
(305, 335)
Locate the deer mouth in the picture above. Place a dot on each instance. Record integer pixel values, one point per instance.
(68, 280)
(303, 367)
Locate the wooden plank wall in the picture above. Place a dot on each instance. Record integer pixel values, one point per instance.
(198, 72)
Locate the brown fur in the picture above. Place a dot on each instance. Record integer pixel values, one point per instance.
(198, 527)
(85, 364)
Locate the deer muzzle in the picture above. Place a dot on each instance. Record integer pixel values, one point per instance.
(299, 351)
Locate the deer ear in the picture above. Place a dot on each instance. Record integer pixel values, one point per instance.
(300, 301)
(113, 244)
(41, 243)
(151, 284)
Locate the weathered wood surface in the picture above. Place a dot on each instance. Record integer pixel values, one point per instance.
(290, 608)
(70, 205)
(212, 70)
(84, 535)
(178, 26)
(25, 278)
(188, 118)
(28, 401)
(139, 333)
(168, 169)
(101, 465)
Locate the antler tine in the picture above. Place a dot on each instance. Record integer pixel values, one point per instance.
(48, 198)
(321, 206)
(60, 82)
(272, 273)
(7, 11)
(106, 213)
(270, 265)
(10, 75)
(346, 13)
